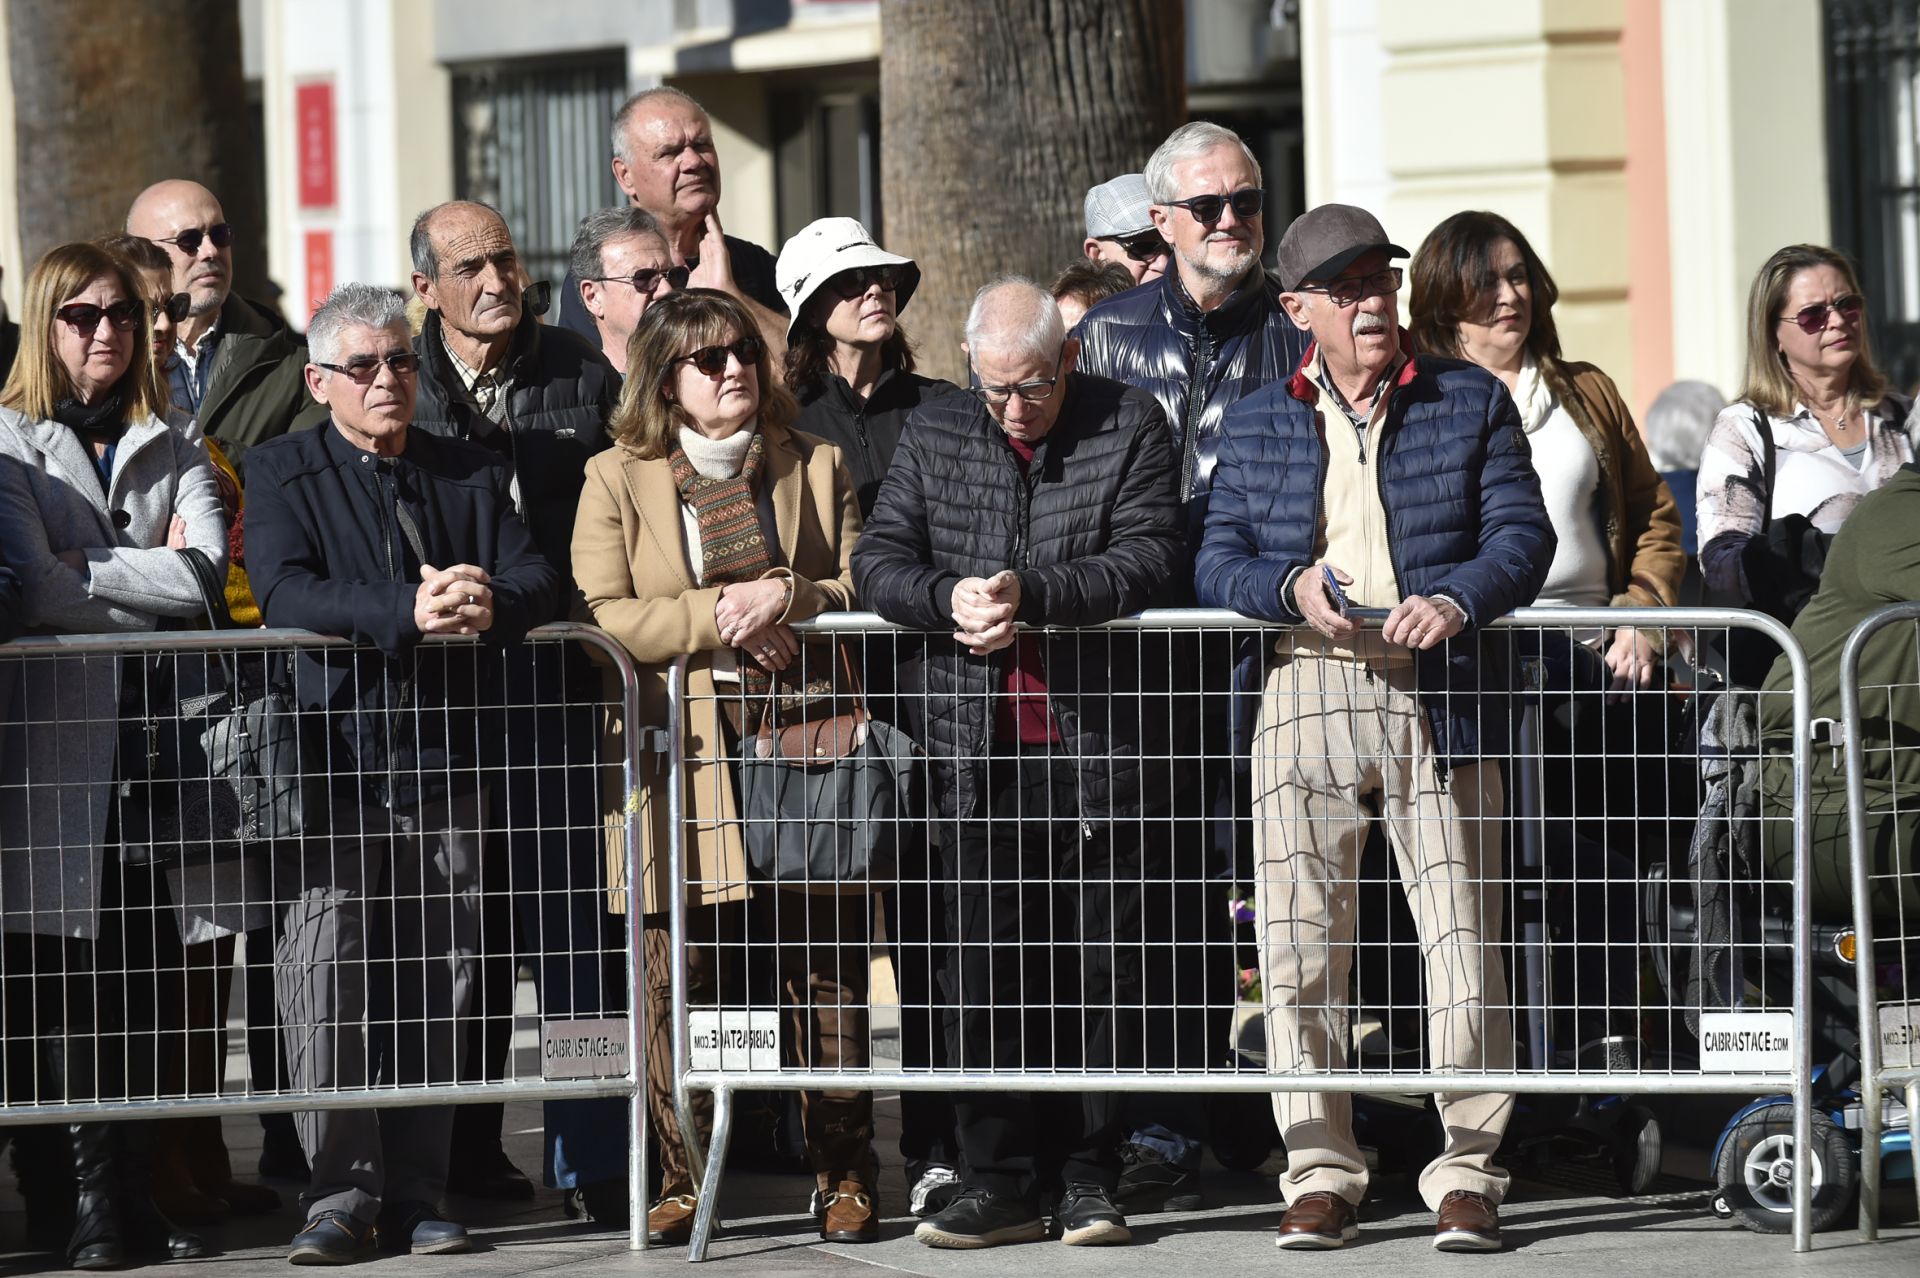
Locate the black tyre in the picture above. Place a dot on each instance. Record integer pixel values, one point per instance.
(1756, 1170)
(1636, 1150)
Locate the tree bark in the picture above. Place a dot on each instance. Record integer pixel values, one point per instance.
(113, 96)
(995, 118)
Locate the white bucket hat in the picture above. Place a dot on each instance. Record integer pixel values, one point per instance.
(825, 248)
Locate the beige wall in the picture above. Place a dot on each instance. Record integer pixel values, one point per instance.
(9, 208)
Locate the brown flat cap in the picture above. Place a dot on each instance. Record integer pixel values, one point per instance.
(1322, 241)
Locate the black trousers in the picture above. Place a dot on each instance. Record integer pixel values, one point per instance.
(1044, 973)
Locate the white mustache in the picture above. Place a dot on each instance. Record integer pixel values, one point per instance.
(1366, 322)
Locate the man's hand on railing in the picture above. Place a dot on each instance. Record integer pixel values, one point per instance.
(1310, 598)
(1419, 623)
(453, 601)
(983, 609)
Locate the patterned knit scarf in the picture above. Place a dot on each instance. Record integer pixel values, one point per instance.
(733, 547)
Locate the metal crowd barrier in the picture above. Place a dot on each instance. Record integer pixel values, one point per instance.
(1885, 883)
(1603, 956)
(379, 933)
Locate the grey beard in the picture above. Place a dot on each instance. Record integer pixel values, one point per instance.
(200, 308)
(1222, 274)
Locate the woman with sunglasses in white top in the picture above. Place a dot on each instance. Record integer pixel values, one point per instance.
(1815, 429)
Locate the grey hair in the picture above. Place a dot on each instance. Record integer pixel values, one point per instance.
(1015, 316)
(1678, 422)
(420, 243)
(585, 259)
(350, 306)
(634, 103)
(1188, 142)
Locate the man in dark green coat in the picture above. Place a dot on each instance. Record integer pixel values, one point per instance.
(1874, 561)
(237, 367)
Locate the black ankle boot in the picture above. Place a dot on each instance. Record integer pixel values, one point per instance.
(43, 1168)
(148, 1231)
(96, 1241)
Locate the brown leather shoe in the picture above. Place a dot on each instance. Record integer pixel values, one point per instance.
(670, 1221)
(1468, 1222)
(1318, 1222)
(851, 1214)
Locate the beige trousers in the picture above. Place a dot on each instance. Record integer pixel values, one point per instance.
(1336, 739)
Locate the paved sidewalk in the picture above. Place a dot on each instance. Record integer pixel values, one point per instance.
(1562, 1223)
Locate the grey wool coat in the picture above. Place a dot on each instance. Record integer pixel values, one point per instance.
(59, 715)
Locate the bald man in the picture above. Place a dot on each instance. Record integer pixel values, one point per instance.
(236, 366)
(665, 162)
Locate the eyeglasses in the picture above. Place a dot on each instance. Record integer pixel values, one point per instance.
(362, 369)
(85, 317)
(851, 284)
(1145, 246)
(1344, 293)
(1033, 392)
(1206, 209)
(646, 280)
(174, 308)
(712, 360)
(1812, 319)
(189, 241)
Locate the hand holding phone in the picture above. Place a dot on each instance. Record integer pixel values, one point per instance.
(1335, 595)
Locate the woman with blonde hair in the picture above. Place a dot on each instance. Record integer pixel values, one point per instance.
(1815, 429)
(100, 503)
(709, 528)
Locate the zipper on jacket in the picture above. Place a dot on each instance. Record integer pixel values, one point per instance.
(1204, 351)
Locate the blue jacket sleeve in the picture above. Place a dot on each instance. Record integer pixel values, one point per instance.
(1231, 570)
(286, 567)
(1517, 540)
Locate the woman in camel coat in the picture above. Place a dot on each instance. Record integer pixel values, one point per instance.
(702, 534)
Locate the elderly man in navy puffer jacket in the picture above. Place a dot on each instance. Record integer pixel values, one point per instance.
(1377, 478)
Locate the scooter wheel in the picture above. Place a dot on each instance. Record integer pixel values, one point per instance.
(1756, 1171)
(1636, 1148)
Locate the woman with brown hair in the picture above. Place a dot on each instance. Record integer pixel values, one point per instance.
(709, 528)
(1815, 429)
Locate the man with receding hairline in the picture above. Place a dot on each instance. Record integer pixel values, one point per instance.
(664, 160)
(1045, 498)
(237, 368)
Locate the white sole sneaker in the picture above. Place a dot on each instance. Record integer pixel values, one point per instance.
(1464, 1240)
(1316, 1242)
(1101, 1233)
(933, 1236)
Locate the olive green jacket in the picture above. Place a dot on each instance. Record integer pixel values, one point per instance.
(257, 383)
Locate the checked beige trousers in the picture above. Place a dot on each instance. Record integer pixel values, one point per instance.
(1338, 741)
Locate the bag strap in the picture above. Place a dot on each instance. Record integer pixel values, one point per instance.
(213, 592)
(769, 722)
(1764, 425)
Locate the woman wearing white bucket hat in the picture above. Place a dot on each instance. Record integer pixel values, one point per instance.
(851, 367)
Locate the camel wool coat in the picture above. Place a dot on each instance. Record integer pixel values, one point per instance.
(630, 559)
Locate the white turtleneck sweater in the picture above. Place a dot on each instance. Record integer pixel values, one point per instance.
(1569, 483)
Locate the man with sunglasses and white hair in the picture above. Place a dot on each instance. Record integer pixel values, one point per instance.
(372, 530)
(237, 368)
(1045, 498)
(1376, 478)
(621, 261)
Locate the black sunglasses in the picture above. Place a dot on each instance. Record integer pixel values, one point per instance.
(189, 241)
(712, 360)
(646, 279)
(1811, 319)
(173, 307)
(84, 317)
(362, 369)
(1143, 247)
(1206, 209)
(851, 284)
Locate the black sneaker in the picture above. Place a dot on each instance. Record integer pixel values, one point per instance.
(1146, 1176)
(976, 1218)
(1087, 1217)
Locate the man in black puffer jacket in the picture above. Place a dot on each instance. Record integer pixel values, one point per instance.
(540, 398)
(1054, 505)
(1207, 334)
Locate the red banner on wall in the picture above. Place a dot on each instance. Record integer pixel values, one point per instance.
(313, 124)
(319, 268)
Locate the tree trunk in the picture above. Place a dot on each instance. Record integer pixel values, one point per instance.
(111, 97)
(995, 118)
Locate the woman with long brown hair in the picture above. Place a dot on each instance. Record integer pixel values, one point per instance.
(709, 528)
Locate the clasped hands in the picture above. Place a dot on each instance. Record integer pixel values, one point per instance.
(453, 601)
(983, 610)
(748, 617)
(1417, 622)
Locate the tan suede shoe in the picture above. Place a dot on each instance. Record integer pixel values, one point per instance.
(670, 1221)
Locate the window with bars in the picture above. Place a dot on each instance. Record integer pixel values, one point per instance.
(1873, 166)
(531, 140)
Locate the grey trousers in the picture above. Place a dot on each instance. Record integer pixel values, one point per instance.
(373, 973)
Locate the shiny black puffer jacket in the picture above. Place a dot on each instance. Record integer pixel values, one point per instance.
(1093, 533)
(1152, 338)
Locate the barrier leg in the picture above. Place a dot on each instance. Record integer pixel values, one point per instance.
(1872, 1119)
(716, 1161)
(1913, 1127)
(637, 1163)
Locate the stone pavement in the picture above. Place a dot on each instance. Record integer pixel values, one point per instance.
(1561, 1221)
